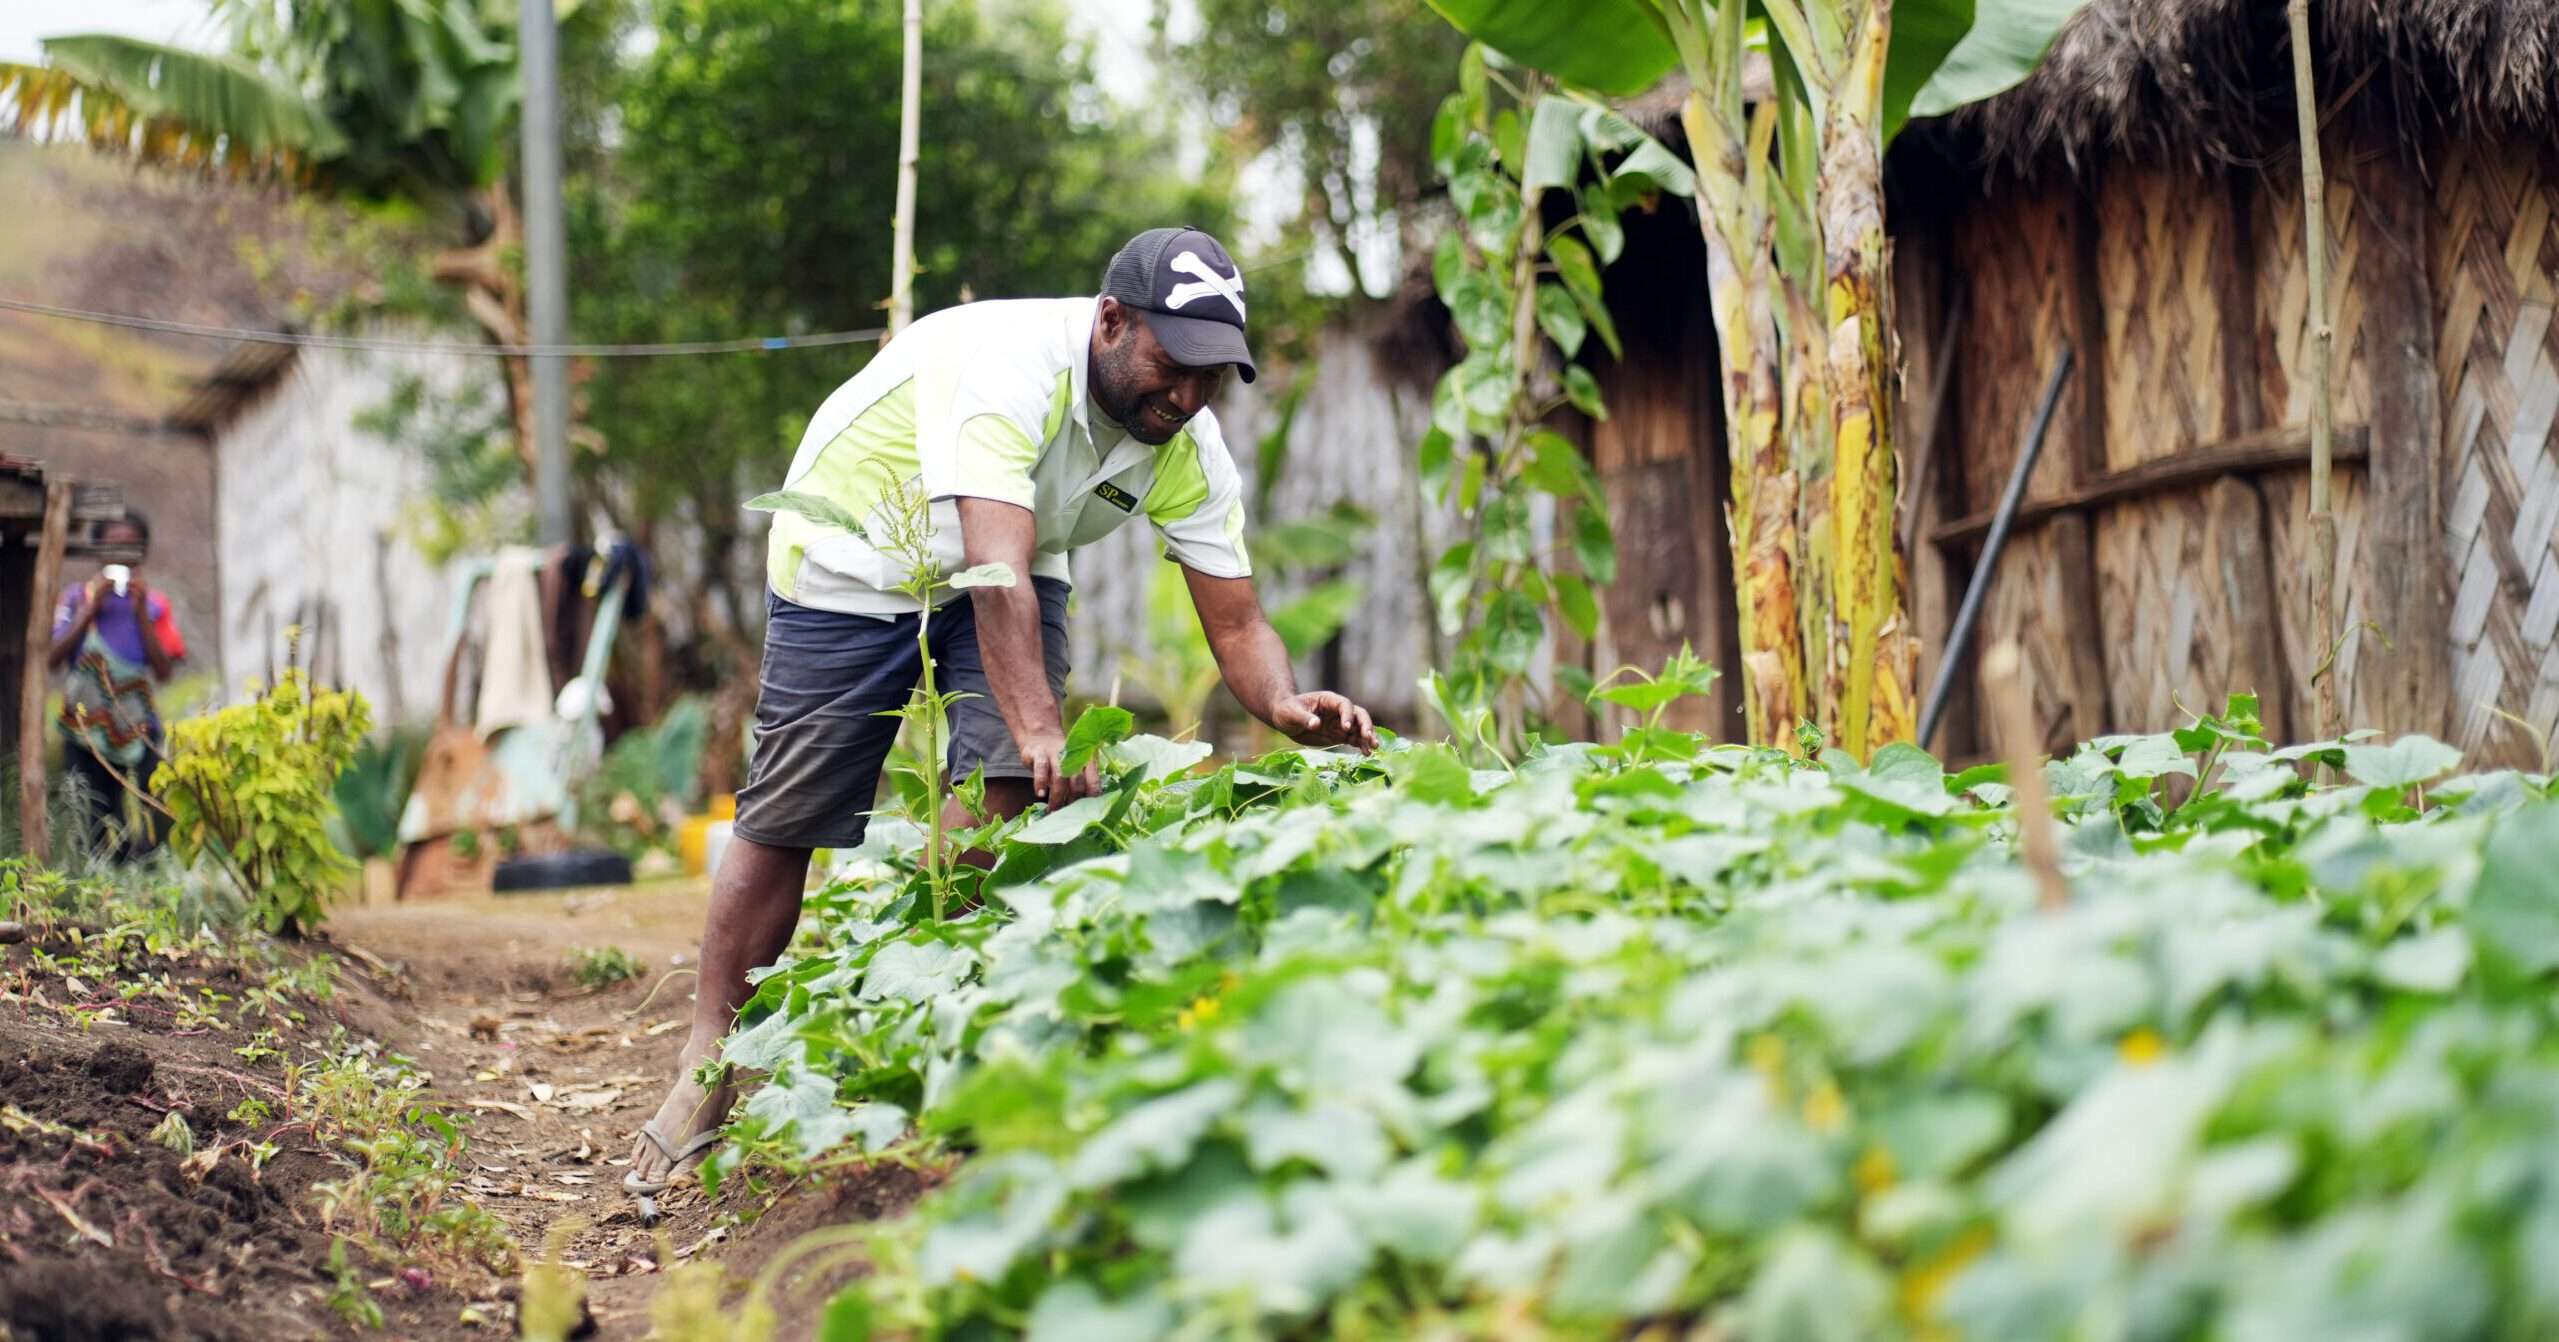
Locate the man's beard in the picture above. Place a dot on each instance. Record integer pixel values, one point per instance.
(1111, 379)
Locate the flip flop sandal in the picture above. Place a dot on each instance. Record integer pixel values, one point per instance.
(679, 1159)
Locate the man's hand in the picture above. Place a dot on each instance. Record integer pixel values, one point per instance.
(1050, 782)
(94, 593)
(138, 595)
(1323, 718)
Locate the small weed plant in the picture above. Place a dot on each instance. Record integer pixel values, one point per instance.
(603, 966)
(398, 1199)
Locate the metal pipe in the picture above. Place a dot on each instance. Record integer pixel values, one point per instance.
(1979, 587)
(545, 265)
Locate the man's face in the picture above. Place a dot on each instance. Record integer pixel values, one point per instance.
(1139, 385)
(124, 533)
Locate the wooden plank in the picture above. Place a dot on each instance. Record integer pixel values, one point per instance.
(2086, 449)
(1927, 285)
(17, 581)
(2072, 546)
(2235, 285)
(2235, 515)
(2404, 677)
(2255, 454)
(34, 678)
(2083, 652)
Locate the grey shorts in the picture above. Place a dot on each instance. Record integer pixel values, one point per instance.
(820, 733)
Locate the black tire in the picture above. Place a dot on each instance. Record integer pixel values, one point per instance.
(557, 871)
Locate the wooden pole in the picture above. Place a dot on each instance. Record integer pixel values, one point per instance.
(909, 133)
(2323, 340)
(2021, 744)
(36, 677)
(2404, 685)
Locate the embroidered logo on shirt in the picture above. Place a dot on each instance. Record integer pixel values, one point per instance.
(1117, 497)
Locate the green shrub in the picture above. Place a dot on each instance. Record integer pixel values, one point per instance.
(251, 787)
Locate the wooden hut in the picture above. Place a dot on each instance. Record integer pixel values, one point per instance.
(2138, 199)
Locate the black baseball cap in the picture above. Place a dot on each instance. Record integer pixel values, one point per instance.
(1188, 291)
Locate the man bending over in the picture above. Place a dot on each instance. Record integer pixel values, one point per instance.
(1033, 426)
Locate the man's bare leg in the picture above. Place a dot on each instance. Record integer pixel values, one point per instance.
(755, 904)
(1005, 799)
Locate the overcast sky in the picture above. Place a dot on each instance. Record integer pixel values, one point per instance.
(1119, 27)
(23, 21)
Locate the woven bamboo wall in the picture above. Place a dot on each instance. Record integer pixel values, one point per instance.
(2187, 295)
(2162, 248)
(2017, 256)
(2181, 575)
(2496, 251)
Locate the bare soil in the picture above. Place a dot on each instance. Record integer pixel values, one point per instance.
(105, 1234)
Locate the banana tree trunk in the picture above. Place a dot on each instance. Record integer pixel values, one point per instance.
(1810, 405)
(494, 296)
(1761, 517)
(1866, 659)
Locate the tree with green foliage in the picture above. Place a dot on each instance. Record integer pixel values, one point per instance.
(1318, 82)
(747, 185)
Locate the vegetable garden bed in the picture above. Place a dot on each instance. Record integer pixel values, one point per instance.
(1621, 1040)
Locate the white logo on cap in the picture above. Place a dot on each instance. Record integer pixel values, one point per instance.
(1209, 282)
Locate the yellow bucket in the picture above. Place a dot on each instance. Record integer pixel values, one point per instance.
(693, 844)
(693, 838)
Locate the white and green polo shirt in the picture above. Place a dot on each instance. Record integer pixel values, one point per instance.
(988, 400)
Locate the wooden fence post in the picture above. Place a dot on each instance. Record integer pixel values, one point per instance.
(35, 679)
(2403, 679)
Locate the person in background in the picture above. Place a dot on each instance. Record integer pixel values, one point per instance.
(119, 639)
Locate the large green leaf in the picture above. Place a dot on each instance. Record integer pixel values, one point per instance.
(1946, 53)
(1617, 47)
(816, 507)
(168, 104)
(1554, 144)
(1950, 53)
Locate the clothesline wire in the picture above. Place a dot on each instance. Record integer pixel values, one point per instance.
(319, 340)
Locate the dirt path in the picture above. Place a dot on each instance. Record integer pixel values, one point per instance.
(153, 1132)
(555, 1075)
(558, 1077)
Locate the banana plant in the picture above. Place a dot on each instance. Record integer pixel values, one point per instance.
(411, 101)
(1790, 193)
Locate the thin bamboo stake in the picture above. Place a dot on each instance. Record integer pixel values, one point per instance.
(909, 118)
(2022, 747)
(2323, 340)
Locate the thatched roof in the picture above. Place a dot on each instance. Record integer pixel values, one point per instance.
(2212, 78)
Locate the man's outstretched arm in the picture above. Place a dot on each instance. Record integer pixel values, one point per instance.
(1009, 644)
(1255, 664)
